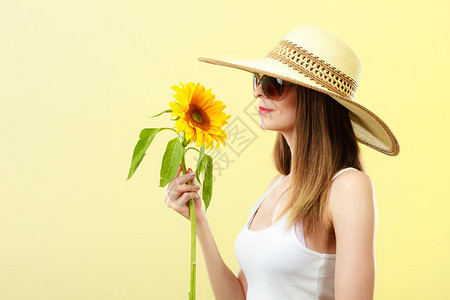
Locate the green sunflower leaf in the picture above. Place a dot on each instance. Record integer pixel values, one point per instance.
(145, 139)
(170, 162)
(207, 180)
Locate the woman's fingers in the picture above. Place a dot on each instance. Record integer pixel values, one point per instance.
(188, 188)
(186, 197)
(185, 177)
(179, 180)
(179, 171)
(178, 193)
(180, 205)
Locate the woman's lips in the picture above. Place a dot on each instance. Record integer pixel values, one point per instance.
(263, 110)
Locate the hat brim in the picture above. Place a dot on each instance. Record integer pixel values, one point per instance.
(368, 127)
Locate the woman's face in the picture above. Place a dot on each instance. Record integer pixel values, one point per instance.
(281, 116)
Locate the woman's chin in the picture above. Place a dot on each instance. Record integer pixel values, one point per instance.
(266, 126)
(266, 123)
(263, 124)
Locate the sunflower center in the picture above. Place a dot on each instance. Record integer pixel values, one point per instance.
(197, 118)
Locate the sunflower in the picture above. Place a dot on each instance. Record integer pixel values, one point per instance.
(199, 115)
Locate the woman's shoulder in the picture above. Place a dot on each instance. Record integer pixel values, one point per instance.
(351, 190)
(351, 178)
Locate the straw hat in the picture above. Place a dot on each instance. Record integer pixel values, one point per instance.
(312, 57)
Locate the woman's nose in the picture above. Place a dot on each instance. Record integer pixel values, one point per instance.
(258, 92)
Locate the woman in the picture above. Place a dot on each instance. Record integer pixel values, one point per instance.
(311, 234)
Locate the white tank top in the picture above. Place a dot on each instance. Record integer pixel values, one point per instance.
(278, 266)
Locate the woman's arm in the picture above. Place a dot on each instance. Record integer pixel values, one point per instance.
(353, 213)
(224, 283)
(241, 276)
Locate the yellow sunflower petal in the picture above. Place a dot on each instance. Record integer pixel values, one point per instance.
(176, 109)
(207, 99)
(183, 95)
(219, 138)
(180, 124)
(209, 145)
(189, 133)
(208, 139)
(200, 136)
(197, 93)
(215, 130)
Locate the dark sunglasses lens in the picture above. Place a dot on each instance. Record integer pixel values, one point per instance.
(273, 87)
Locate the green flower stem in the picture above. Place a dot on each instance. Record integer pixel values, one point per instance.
(193, 235)
(193, 149)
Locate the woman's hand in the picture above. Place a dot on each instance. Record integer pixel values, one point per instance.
(178, 194)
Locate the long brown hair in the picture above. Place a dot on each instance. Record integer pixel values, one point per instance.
(324, 143)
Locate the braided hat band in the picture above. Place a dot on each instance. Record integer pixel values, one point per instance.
(314, 58)
(315, 68)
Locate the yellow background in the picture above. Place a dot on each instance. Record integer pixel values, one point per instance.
(78, 80)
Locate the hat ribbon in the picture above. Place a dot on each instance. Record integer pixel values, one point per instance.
(315, 68)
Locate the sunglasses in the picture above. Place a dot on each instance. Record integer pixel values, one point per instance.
(272, 87)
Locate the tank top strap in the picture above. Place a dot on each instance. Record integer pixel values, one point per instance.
(261, 199)
(342, 170)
